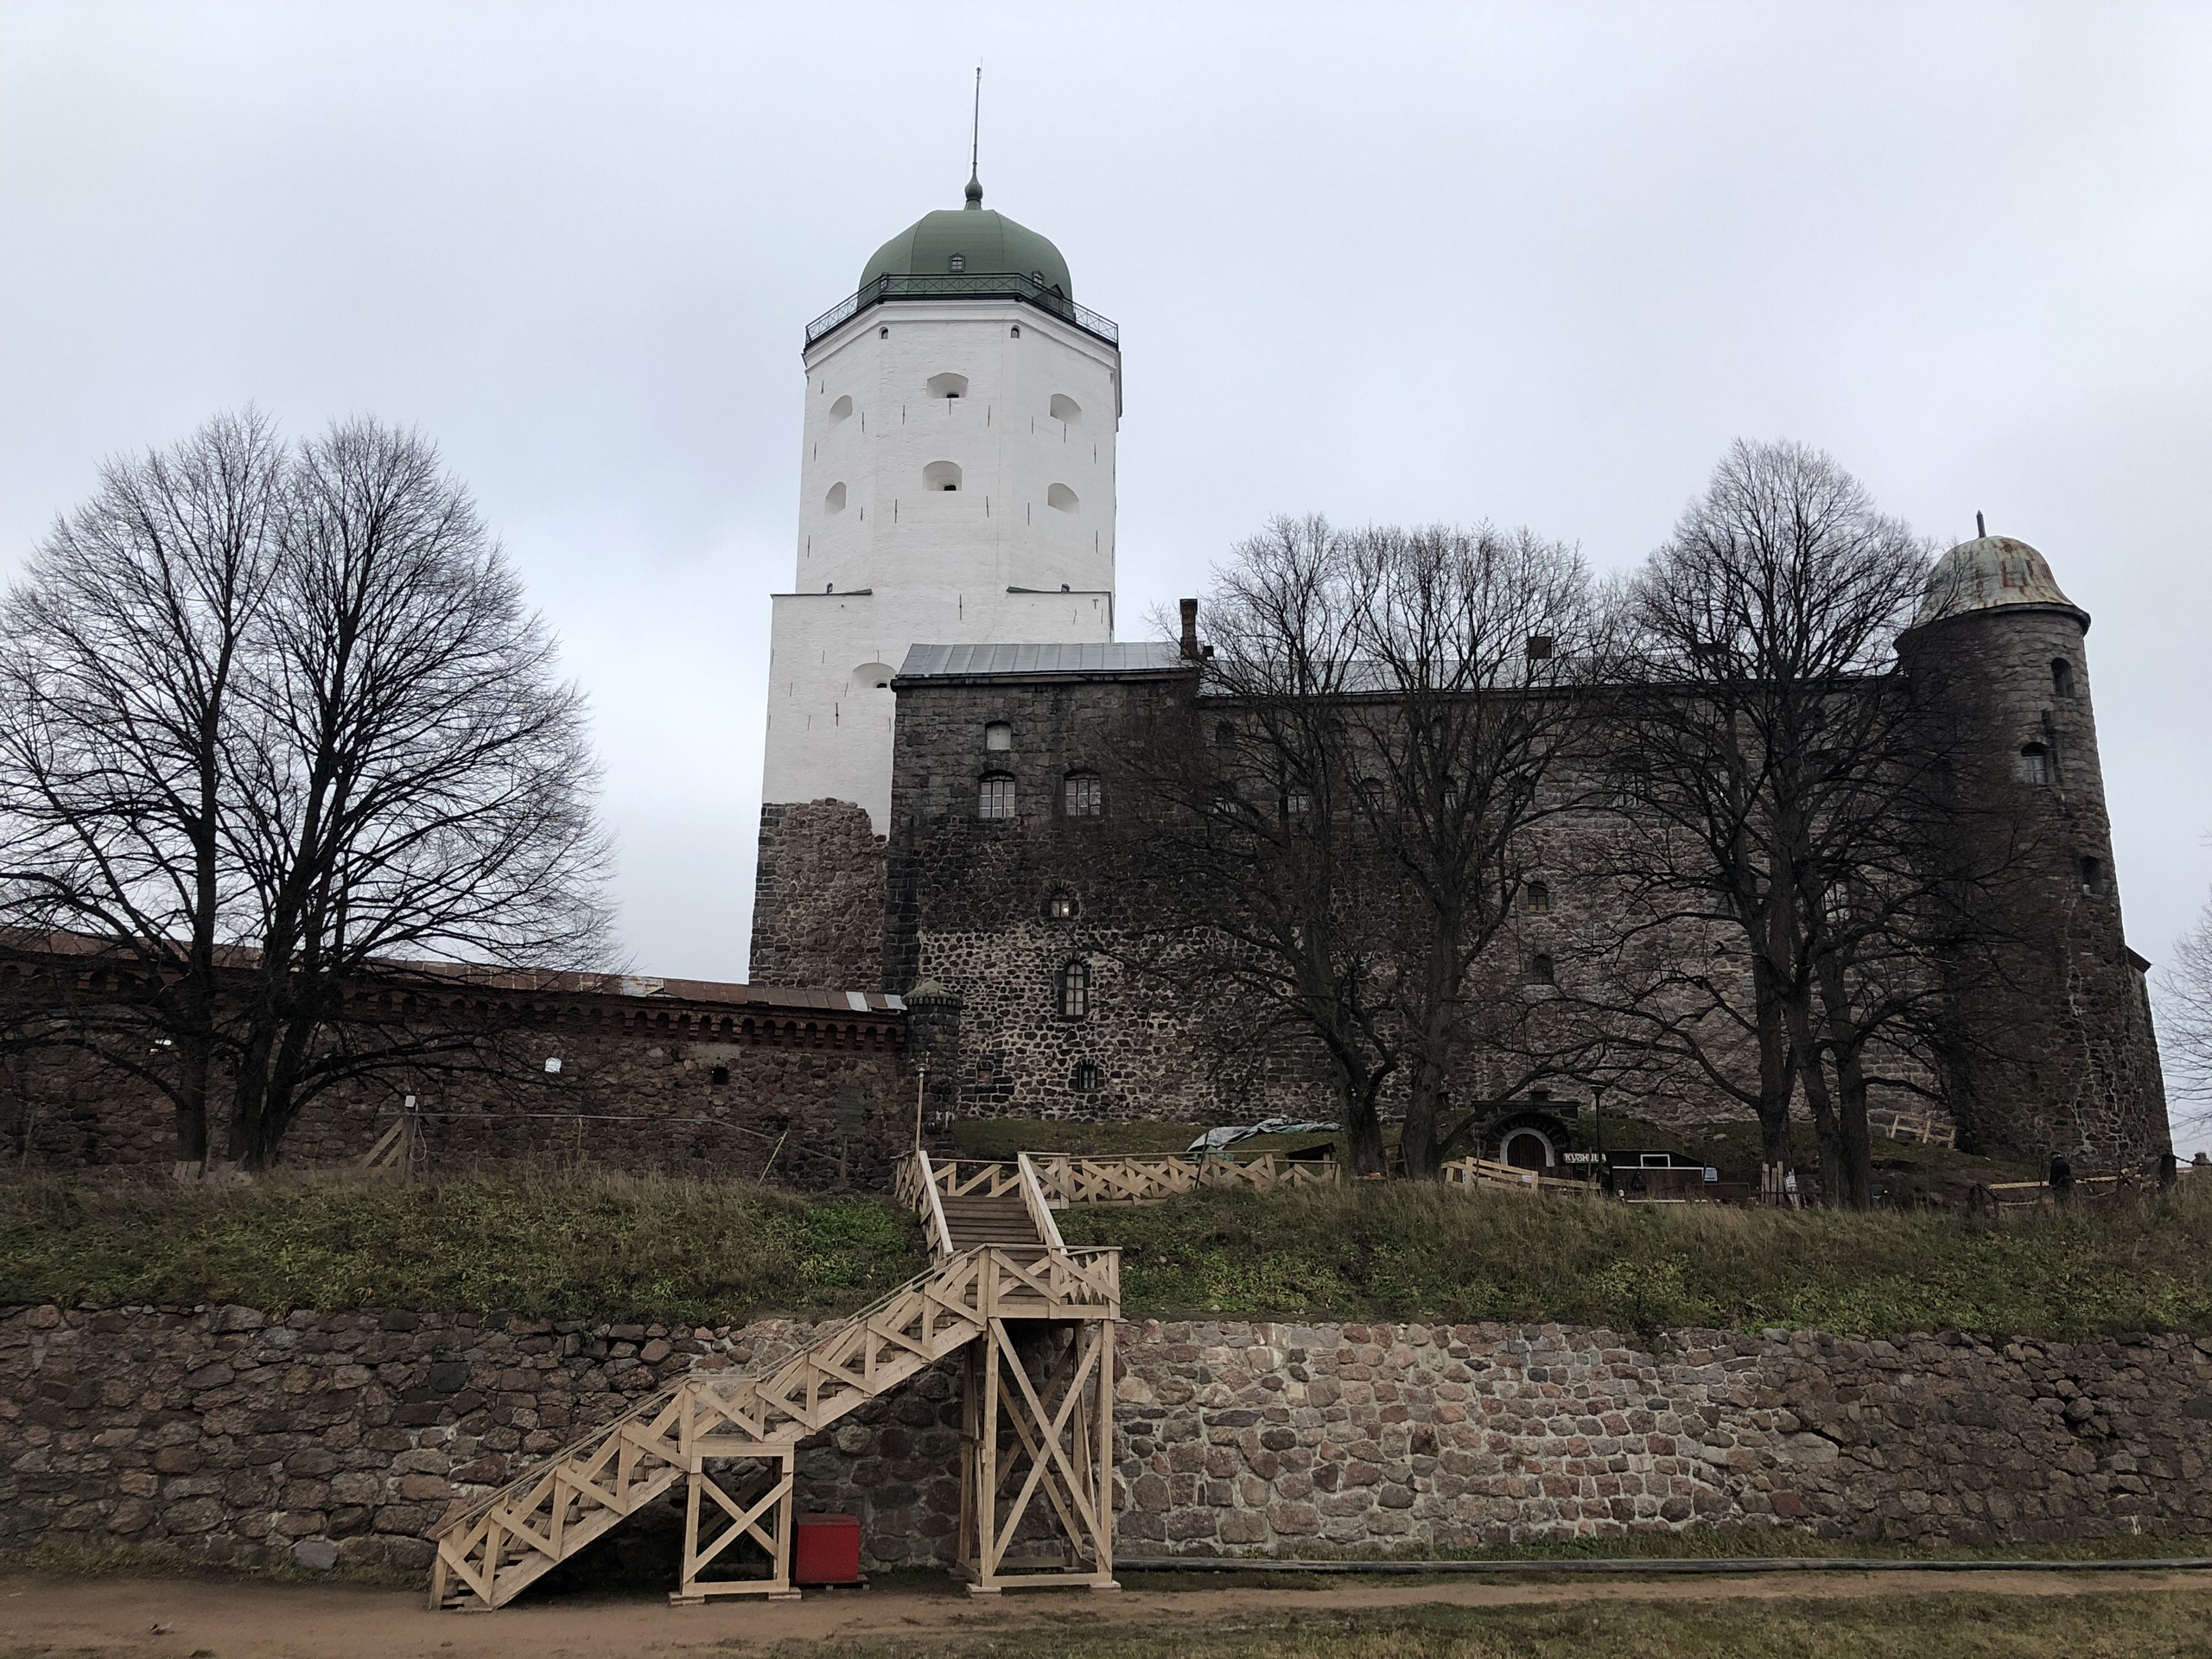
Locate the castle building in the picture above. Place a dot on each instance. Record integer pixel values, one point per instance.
(956, 483)
(946, 692)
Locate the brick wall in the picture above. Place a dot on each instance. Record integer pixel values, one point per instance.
(220, 1435)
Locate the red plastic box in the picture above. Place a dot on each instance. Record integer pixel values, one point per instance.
(827, 1550)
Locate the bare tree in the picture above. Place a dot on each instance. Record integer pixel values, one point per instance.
(386, 770)
(1469, 648)
(415, 782)
(1768, 755)
(2185, 1012)
(1244, 840)
(121, 651)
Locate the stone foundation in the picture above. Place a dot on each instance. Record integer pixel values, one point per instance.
(329, 1437)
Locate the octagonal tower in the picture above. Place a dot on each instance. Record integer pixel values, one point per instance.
(955, 486)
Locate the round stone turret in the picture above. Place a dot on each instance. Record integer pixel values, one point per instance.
(2051, 1048)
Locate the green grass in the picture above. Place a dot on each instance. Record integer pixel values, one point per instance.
(2144, 1624)
(613, 1249)
(604, 1248)
(1398, 1252)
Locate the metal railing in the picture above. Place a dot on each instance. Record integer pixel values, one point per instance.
(968, 284)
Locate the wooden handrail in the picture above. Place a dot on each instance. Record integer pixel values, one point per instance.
(1040, 1213)
(940, 1229)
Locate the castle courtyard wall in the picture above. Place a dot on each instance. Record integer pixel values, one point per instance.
(222, 1435)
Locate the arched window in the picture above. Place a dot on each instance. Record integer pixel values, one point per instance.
(1538, 971)
(873, 677)
(998, 735)
(1085, 1079)
(957, 262)
(940, 475)
(835, 501)
(1065, 408)
(1061, 499)
(1060, 906)
(842, 410)
(995, 796)
(1073, 991)
(1082, 797)
(2093, 877)
(2034, 764)
(948, 386)
(2062, 678)
(1536, 899)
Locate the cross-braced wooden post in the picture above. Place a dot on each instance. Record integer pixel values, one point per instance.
(763, 1514)
(1037, 1420)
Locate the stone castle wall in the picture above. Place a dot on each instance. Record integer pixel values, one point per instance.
(971, 905)
(321, 1438)
(818, 897)
(695, 1089)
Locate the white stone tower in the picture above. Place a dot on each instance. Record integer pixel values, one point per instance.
(956, 485)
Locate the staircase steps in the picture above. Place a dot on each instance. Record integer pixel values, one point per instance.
(1003, 1221)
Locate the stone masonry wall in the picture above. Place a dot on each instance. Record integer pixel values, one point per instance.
(823, 1094)
(818, 897)
(996, 909)
(332, 1438)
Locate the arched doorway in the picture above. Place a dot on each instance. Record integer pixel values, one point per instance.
(1528, 1147)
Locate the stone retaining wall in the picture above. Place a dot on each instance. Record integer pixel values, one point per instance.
(333, 1438)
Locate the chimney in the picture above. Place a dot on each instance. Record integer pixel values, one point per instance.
(1190, 609)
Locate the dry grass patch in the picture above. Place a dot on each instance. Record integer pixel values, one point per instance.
(1394, 1252)
(555, 1247)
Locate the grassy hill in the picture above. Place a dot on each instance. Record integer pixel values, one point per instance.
(612, 1248)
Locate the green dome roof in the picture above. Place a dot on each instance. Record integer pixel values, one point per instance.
(986, 243)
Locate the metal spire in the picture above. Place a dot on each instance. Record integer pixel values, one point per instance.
(975, 145)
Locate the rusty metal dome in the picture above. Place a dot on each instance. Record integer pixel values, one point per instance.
(1987, 574)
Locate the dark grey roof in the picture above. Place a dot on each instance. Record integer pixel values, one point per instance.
(1139, 656)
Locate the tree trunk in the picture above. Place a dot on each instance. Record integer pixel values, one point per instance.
(1834, 1184)
(1855, 1140)
(1777, 1082)
(1357, 1090)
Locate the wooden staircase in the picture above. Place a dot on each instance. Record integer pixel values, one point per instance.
(999, 1260)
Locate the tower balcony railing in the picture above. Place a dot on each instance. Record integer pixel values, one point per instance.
(967, 284)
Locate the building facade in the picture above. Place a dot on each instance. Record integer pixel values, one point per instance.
(942, 717)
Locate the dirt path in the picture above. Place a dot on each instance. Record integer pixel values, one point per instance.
(262, 1621)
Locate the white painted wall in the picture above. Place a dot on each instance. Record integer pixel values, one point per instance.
(888, 558)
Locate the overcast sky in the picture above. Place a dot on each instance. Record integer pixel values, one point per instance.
(1534, 263)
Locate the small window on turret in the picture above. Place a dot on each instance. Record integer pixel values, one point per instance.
(2035, 764)
(2093, 877)
(958, 262)
(2062, 678)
